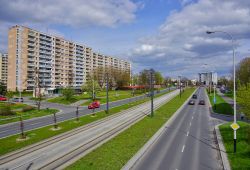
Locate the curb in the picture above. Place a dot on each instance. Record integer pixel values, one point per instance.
(130, 164)
(225, 162)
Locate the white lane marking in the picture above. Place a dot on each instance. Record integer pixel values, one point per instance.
(190, 123)
(183, 147)
(187, 133)
(192, 117)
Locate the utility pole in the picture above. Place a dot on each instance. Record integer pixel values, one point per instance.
(107, 93)
(180, 84)
(214, 98)
(77, 113)
(152, 92)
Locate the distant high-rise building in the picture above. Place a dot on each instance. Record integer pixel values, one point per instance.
(56, 62)
(3, 68)
(208, 78)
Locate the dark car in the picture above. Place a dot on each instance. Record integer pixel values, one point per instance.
(201, 102)
(17, 99)
(194, 96)
(2, 98)
(191, 102)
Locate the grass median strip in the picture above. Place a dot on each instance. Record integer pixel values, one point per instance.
(222, 106)
(10, 144)
(27, 115)
(241, 159)
(115, 153)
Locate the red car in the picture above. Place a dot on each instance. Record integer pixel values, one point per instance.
(2, 98)
(94, 105)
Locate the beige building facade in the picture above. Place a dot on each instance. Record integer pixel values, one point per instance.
(37, 58)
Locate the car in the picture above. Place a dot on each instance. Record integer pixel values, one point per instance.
(191, 102)
(202, 102)
(3, 98)
(94, 105)
(17, 99)
(194, 96)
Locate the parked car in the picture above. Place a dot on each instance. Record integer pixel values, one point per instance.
(191, 102)
(201, 102)
(194, 96)
(2, 98)
(17, 99)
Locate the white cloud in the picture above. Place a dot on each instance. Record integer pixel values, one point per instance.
(43, 14)
(75, 13)
(186, 46)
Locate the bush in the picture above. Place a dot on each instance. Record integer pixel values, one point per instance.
(6, 110)
(27, 108)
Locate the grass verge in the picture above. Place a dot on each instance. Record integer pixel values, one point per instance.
(115, 153)
(113, 96)
(10, 144)
(241, 159)
(221, 105)
(27, 115)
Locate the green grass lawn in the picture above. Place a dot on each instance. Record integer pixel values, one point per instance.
(13, 106)
(24, 94)
(113, 96)
(10, 144)
(240, 160)
(27, 115)
(222, 106)
(115, 153)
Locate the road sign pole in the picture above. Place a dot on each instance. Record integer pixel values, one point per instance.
(234, 141)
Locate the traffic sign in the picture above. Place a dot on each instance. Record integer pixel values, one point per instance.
(235, 126)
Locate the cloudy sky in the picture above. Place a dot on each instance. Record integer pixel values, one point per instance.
(167, 35)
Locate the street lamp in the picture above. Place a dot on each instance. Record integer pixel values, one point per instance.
(232, 39)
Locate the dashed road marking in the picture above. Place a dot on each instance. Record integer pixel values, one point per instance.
(187, 133)
(183, 147)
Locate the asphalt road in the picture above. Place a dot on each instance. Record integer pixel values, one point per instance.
(187, 143)
(70, 113)
(88, 137)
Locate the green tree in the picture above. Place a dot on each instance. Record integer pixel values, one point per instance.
(243, 98)
(243, 72)
(9, 95)
(92, 87)
(158, 78)
(68, 93)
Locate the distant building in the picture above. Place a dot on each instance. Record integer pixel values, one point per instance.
(207, 78)
(3, 68)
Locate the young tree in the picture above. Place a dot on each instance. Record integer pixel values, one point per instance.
(9, 95)
(68, 93)
(158, 78)
(92, 88)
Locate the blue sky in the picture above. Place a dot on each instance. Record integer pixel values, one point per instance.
(167, 35)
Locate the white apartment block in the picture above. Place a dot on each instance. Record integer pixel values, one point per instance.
(3, 68)
(52, 60)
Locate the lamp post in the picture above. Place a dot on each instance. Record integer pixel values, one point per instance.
(107, 93)
(233, 45)
(180, 84)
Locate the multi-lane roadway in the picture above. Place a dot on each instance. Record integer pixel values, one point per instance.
(188, 142)
(57, 152)
(69, 113)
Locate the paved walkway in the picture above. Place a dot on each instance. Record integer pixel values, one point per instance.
(78, 103)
